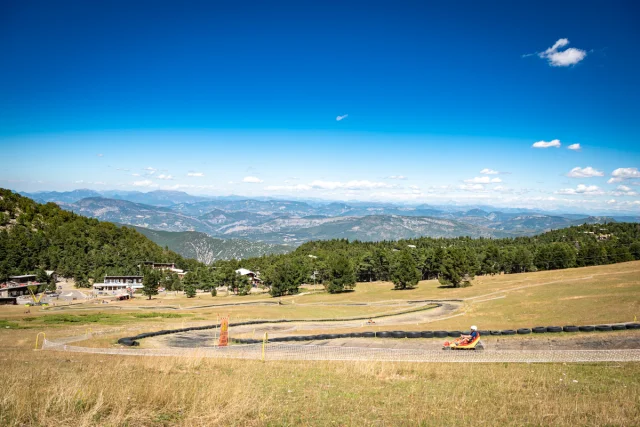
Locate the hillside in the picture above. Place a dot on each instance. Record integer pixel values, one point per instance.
(199, 246)
(36, 236)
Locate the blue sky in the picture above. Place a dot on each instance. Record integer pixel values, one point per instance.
(243, 98)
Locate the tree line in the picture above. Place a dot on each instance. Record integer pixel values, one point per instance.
(339, 263)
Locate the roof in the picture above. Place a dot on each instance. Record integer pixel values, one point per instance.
(130, 277)
(24, 276)
(244, 271)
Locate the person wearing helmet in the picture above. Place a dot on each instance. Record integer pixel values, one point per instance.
(472, 336)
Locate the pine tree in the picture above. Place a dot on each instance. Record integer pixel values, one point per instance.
(243, 285)
(150, 283)
(341, 274)
(190, 290)
(404, 271)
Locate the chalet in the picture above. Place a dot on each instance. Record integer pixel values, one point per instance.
(254, 277)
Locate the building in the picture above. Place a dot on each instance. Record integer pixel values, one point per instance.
(254, 277)
(115, 284)
(26, 279)
(160, 265)
(165, 266)
(19, 285)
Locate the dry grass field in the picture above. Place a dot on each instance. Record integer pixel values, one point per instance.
(48, 388)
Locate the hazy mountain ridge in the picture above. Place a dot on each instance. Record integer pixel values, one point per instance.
(206, 249)
(295, 222)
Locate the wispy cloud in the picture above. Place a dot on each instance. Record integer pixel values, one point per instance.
(544, 144)
(349, 185)
(561, 58)
(592, 190)
(340, 118)
(150, 170)
(473, 187)
(587, 172)
(165, 177)
(483, 180)
(487, 171)
(397, 177)
(100, 155)
(622, 174)
(574, 147)
(252, 180)
(297, 187)
(197, 174)
(623, 190)
(144, 183)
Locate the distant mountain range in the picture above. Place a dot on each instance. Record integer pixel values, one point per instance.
(233, 227)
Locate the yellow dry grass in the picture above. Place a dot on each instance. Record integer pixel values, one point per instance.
(60, 389)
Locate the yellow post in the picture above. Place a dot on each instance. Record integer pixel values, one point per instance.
(37, 337)
(264, 344)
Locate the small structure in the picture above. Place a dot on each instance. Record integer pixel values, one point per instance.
(19, 285)
(8, 301)
(254, 277)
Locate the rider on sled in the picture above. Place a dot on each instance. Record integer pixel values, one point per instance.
(466, 339)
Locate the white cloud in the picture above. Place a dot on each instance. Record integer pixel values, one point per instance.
(622, 174)
(298, 187)
(79, 182)
(587, 172)
(543, 144)
(483, 180)
(350, 185)
(487, 171)
(623, 190)
(198, 174)
(100, 155)
(564, 58)
(165, 177)
(414, 187)
(592, 190)
(150, 170)
(135, 174)
(340, 118)
(472, 187)
(252, 180)
(397, 177)
(574, 147)
(144, 183)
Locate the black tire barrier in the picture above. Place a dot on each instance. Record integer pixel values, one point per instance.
(426, 334)
(368, 334)
(571, 328)
(496, 333)
(455, 334)
(484, 333)
(508, 332)
(523, 331)
(587, 328)
(604, 328)
(554, 328)
(322, 336)
(414, 335)
(618, 327)
(441, 334)
(384, 334)
(539, 330)
(399, 334)
(332, 336)
(633, 325)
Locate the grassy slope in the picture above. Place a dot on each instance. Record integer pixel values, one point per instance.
(118, 390)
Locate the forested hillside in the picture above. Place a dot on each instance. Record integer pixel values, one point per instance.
(34, 236)
(584, 245)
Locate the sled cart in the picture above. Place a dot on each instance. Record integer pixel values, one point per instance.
(461, 344)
